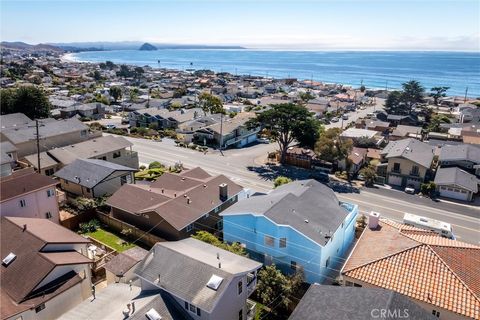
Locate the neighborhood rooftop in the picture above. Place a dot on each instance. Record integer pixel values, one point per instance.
(306, 205)
(199, 262)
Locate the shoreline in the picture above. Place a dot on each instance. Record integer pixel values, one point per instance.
(71, 58)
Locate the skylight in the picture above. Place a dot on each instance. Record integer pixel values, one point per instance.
(214, 282)
(8, 259)
(152, 314)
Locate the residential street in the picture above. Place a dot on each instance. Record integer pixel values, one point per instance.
(243, 166)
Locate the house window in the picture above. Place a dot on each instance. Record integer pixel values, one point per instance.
(88, 190)
(66, 181)
(357, 285)
(83, 133)
(116, 154)
(123, 180)
(216, 209)
(199, 313)
(48, 215)
(414, 171)
(240, 287)
(23, 203)
(283, 242)
(268, 241)
(49, 172)
(40, 308)
(293, 265)
(219, 225)
(240, 314)
(327, 262)
(186, 305)
(50, 193)
(193, 308)
(396, 167)
(190, 227)
(436, 313)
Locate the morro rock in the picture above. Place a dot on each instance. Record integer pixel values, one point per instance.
(147, 47)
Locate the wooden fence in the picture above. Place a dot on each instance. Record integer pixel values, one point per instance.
(133, 233)
(73, 223)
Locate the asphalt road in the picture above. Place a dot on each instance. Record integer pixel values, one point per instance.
(243, 167)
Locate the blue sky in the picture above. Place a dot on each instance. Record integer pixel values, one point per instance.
(322, 24)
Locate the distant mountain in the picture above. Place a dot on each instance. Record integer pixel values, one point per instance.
(134, 45)
(147, 47)
(28, 47)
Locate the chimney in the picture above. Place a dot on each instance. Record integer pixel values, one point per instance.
(24, 227)
(188, 200)
(373, 218)
(223, 191)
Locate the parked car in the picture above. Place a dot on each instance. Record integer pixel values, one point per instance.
(125, 121)
(334, 119)
(345, 117)
(263, 140)
(410, 189)
(110, 126)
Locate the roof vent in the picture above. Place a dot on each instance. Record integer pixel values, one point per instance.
(8, 259)
(214, 282)
(152, 314)
(306, 220)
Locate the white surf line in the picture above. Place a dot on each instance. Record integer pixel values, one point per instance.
(403, 212)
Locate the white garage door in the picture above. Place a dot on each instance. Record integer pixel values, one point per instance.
(453, 193)
(414, 182)
(395, 180)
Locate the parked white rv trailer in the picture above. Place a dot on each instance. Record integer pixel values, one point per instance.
(442, 228)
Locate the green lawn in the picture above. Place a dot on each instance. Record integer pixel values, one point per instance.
(110, 240)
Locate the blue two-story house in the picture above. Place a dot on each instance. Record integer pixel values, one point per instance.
(298, 225)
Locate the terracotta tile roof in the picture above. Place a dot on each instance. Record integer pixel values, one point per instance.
(437, 271)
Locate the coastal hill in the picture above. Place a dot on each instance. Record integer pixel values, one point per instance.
(28, 47)
(134, 45)
(147, 47)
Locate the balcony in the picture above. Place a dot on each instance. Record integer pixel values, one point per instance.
(251, 309)
(251, 283)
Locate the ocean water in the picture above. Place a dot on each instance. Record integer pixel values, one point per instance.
(379, 69)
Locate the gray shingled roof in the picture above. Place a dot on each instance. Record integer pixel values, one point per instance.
(183, 268)
(294, 203)
(89, 149)
(49, 128)
(459, 152)
(456, 176)
(323, 302)
(411, 149)
(89, 172)
(13, 120)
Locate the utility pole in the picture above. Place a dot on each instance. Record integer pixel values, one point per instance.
(221, 132)
(466, 92)
(37, 139)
